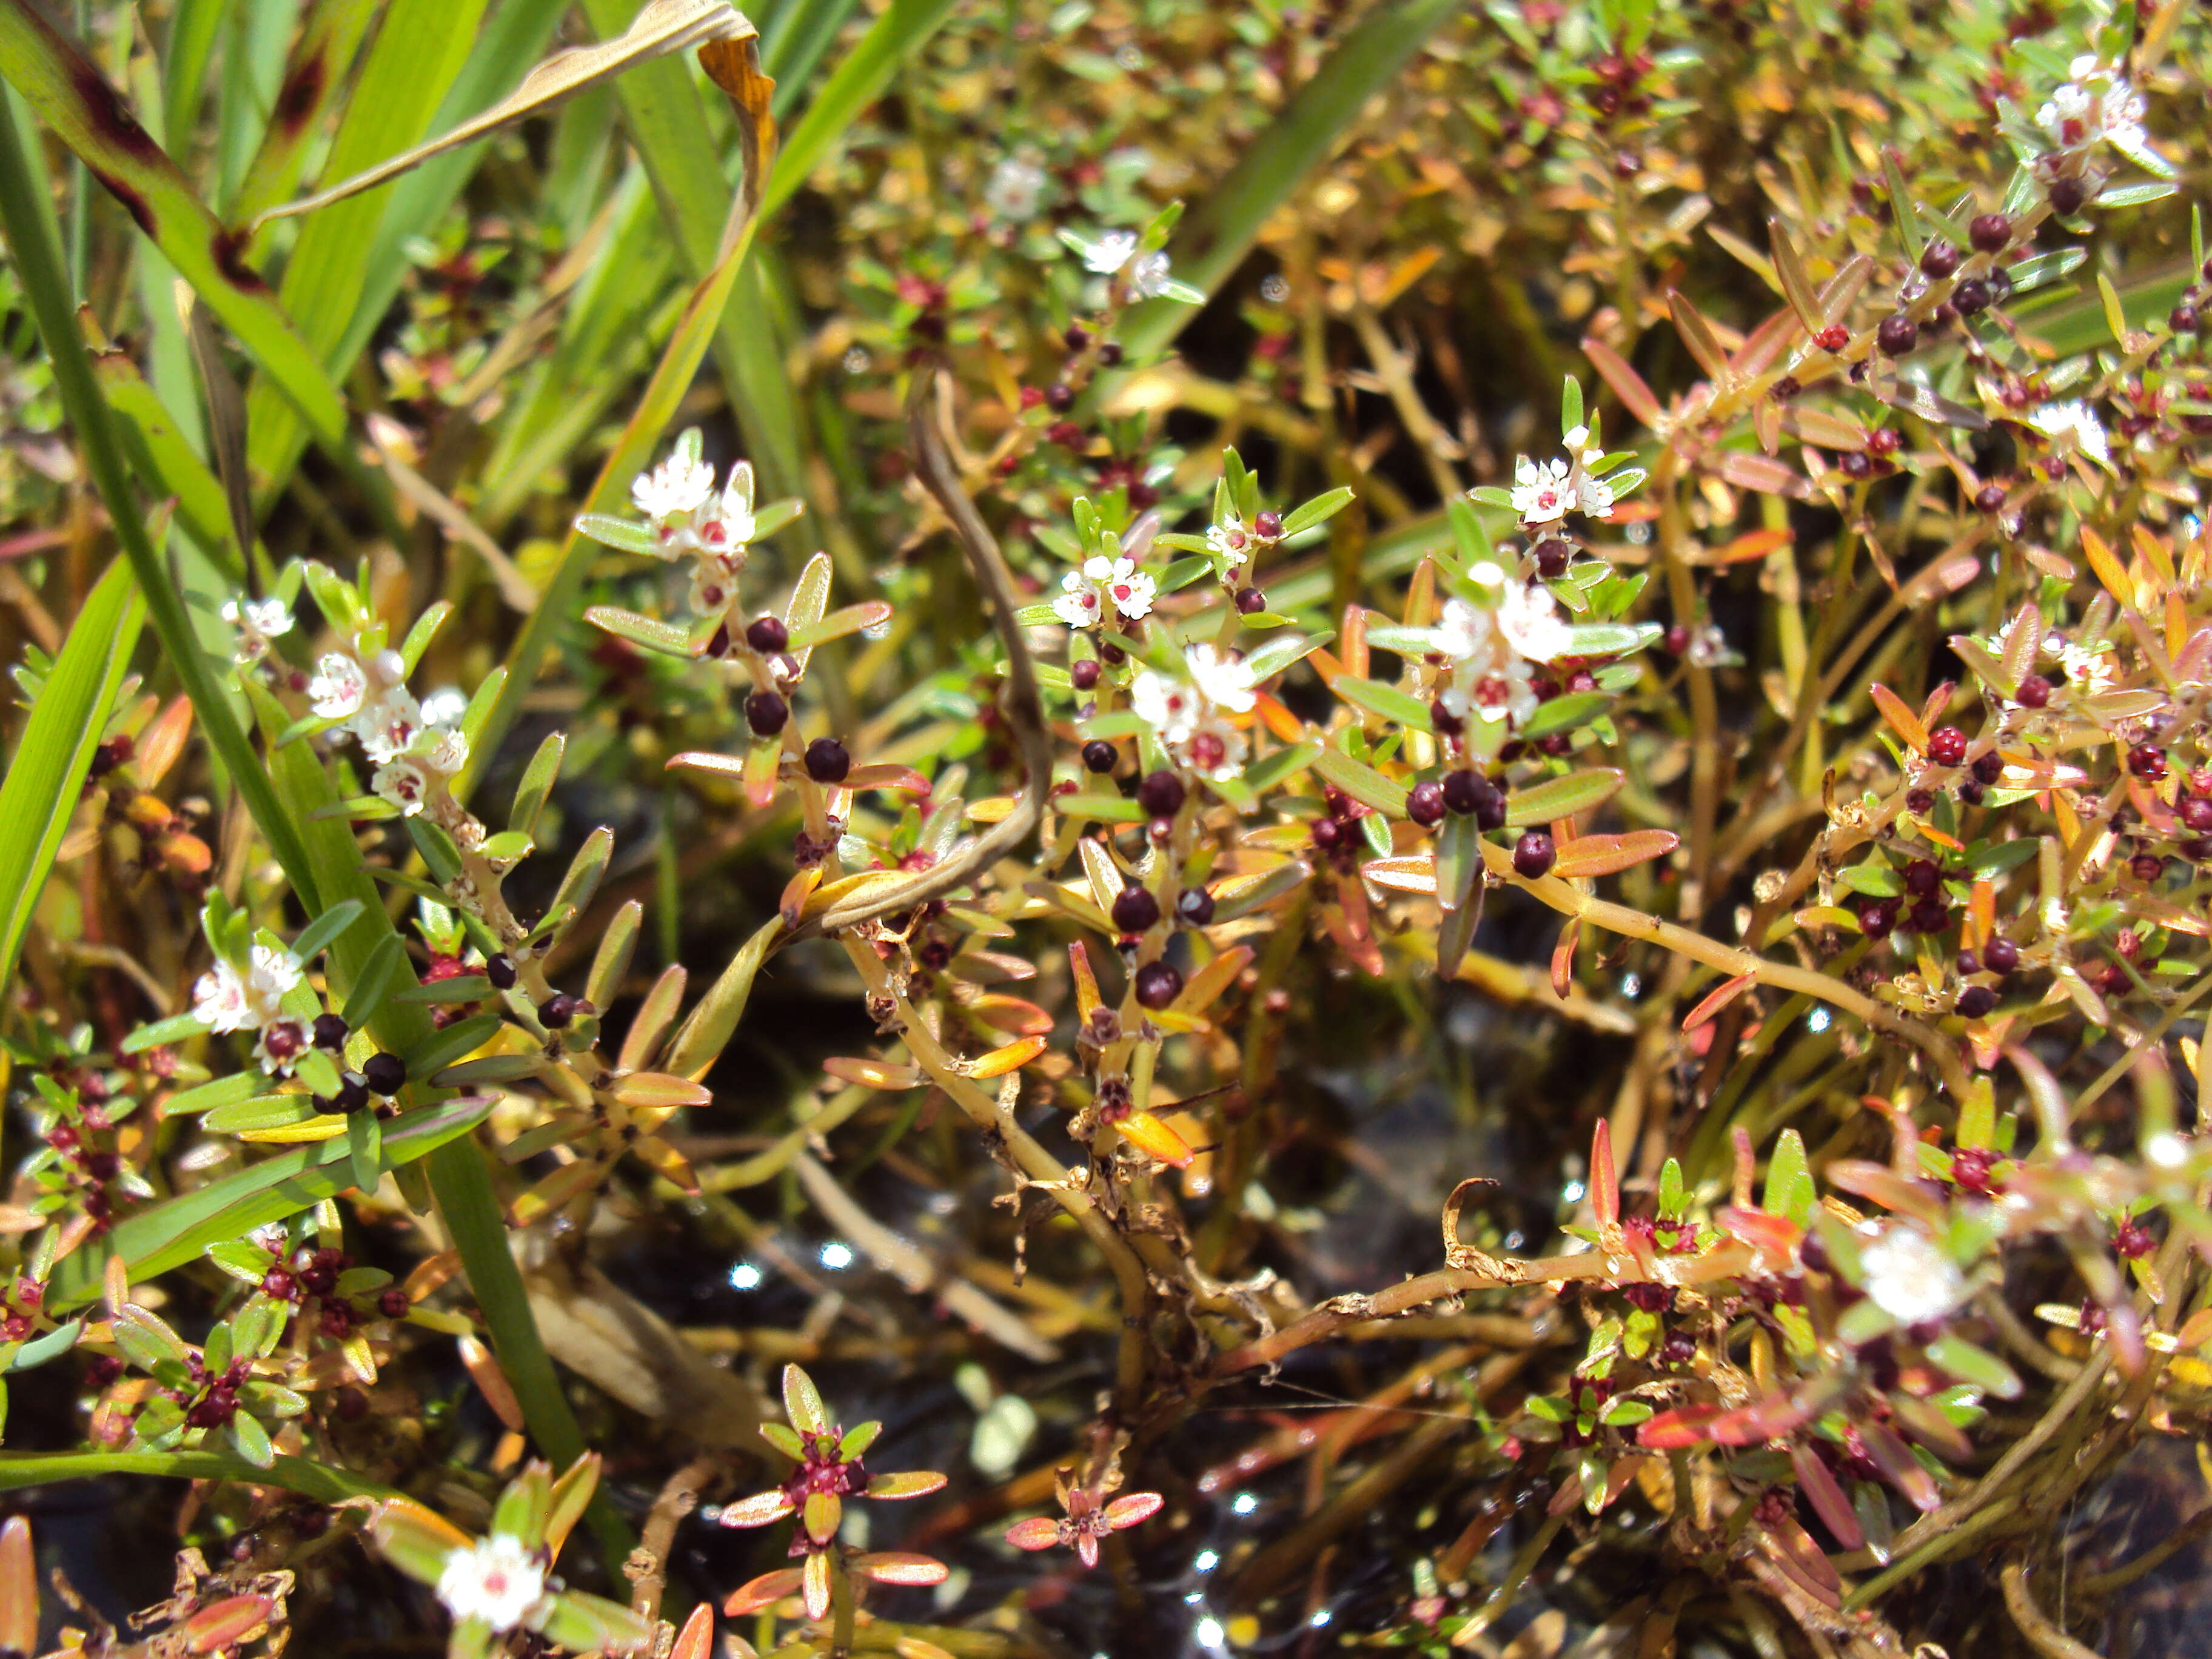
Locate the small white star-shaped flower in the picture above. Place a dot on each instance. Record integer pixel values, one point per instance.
(681, 483)
(2073, 428)
(1110, 252)
(1541, 491)
(498, 1580)
(1101, 583)
(340, 687)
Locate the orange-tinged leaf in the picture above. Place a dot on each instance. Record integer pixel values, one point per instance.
(887, 1075)
(1351, 641)
(1279, 719)
(1562, 958)
(1407, 873)
(2109, 569)
(1981, 913)
(792, 904)
(1011, 1014)
(220, 1627)
(1718, 999)
(651, 1089)
(697, 1639)
(1627, 384)
(1153, 1137)
(1603, 855)
(1012, 1057)
(1752, 545)
(19, 1586)
(1210, 980)
(1604, 1176)
(1902, 719)
(163, 742)
(884, 774)
(764, 1591)
(1086, 982)
(665, 1161)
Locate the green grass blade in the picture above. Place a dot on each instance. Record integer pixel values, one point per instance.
(47, 772)
(303, 1475)
(1214, 237)
(795, 44)
(420, 47)
(179, 1230)
(69, 95)
(859, 80)
(192, 27)
(671, 378)
(312, 75)
(38, 265)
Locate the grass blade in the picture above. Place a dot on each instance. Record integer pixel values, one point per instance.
(47, 772)
(1213, 238)
(303, 1475)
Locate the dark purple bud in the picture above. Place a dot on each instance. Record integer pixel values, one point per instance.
(827, 760)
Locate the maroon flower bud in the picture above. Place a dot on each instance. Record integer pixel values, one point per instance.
(1326, 834)
(827, 760)
(1876, 918)
(2034, 691)
(2196, 814)
(1110, 352)
(1551, 556)
(1078, 337)
(499, 968)
(279, 1282)
(1534, 854)
(1447, 724)
(1967, 964)
(1971, 298)
(1099, 755)
(1884, 440)
(1897, 335)
(1939, 261)
(1269, 524)
(1677, 639)
(2147, 760)
(1195, 907)
(1059, 396)
(1250, 601)
(1678, 1349)
(766, 635)
(1425, 803)
(1066, 434)
(385, 1074)
(1160, 794)
(1930, 916)
(329, 1031)
(1160, 831)
(2147, 866)
(558, 1010)
(1786, 389)
(2068, 195)
(2132, 1241)
(1135, 909)
(1856, 465)
(766, 713)
(2000, 956)
(352, 1092)
(1158, 984)
(1970, 1167)
(1922, 878)
(1990, 233)
(1988, 766)
(1975, 1000)
(1465, 792)
(392, 1304)
(1947, 745)
(1082, 673)
(1834, 337)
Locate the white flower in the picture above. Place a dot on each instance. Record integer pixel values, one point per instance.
(1015, 187)
(726, 527)
(1592, 496)
(2098, 105)
(681, 483)
(445, 706)
(258, 622)
(498, 1580)
(1708, 645)
(1229, 541)
(443, 750)
(1216, 748)
(405, 782)
(2090, 668)
(1488, 679)
(713, 585)
(388, 725)
(282, 1041)
(220, 1000)
(1169, 707)
(1149, 276)
(1110, 252)
(1530, 623)
(2073, 428)
(1224, 681)
(1908, 1276)
(1103, 581)
(273, 971)
(1541, 493)
(338, 688)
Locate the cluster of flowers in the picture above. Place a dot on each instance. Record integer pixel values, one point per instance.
(689, 519)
